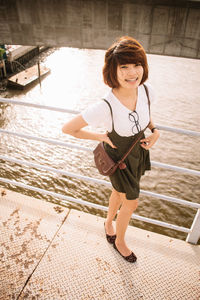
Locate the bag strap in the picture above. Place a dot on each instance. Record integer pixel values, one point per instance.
(141, 132)
(110, 112)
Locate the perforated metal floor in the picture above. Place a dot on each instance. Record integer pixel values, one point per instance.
(48, 252)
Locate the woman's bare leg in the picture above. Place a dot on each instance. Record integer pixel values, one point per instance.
(123, 218)
(114, 203)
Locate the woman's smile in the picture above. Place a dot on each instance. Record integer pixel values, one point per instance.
(132, 80)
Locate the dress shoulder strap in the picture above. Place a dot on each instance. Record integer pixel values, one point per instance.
(111, 112)
(147, 93)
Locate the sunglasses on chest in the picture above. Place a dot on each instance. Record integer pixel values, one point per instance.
(134, 118)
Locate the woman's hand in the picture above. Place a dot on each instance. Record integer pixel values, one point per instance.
(148, 142)
(106, 139)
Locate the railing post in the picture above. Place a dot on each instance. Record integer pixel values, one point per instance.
(194, 234)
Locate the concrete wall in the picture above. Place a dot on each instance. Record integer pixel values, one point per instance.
(163, 26)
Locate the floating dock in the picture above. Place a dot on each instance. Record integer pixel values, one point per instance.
(23, 79)
(51, 252)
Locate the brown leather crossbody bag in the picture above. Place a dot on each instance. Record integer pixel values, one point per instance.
(104, 163)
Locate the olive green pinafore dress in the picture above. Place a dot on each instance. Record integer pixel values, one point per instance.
(137, 162)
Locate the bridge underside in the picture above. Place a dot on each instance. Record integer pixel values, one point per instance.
(163, 26)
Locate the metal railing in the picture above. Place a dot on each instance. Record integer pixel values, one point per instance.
(193, 233)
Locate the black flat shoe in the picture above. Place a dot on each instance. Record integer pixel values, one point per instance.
(110, 238)
(130, 258)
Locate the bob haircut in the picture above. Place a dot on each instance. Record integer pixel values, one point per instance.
(126, 50)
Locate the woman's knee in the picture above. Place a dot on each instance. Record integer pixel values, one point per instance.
(130, 205)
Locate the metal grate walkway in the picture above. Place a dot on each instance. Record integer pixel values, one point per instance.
(50, 252)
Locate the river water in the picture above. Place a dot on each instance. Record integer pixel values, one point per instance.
(75, 82)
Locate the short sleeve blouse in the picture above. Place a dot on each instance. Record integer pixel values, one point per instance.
(98, 114)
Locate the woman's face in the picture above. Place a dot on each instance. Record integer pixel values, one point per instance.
(129, 75)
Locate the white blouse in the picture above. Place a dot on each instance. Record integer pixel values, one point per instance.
(126, 122)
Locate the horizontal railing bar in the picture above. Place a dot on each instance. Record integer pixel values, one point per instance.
(179, 130)
(98, 181)
(160, 223)
(94, 205)
(50, 169)
(54, 142)
(175, 168)
(53, 108)
(44, 140)
(161, 127)
(170, 199)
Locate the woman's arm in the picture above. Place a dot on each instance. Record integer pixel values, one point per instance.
(148, 142)
(74, 128)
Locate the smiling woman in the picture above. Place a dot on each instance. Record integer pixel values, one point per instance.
(125, 70)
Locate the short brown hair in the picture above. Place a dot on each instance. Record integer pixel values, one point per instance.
(126, 50)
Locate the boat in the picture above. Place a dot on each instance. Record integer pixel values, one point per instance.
(25, 78)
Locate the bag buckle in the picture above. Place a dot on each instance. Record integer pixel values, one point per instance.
(122, 165)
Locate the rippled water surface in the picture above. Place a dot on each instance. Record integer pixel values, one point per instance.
(75, 82)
